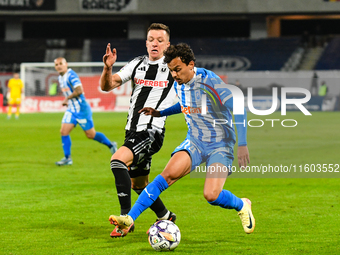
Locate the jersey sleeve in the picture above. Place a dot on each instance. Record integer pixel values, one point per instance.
(175, 109)
(125, 72)
(74, 79)
(240, 122)
(227, 100)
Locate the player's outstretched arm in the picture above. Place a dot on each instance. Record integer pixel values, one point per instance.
(175, 109)
(107, 80)
(150, 111)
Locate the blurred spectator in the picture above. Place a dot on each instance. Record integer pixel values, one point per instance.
(319, 39)
(239, 85)
(323, 89)
(53, 89)
(314, 85)
(305, 38)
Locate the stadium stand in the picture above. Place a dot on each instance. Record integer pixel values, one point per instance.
(264, 54)
(330, 59)
(14, 53)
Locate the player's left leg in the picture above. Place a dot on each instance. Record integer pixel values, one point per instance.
(18, 104)
(17, 113)
(91, 133)
(216, 195)
(213, 188)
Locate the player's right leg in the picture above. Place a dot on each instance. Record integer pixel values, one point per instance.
(138, 185)
(178, 166)
(136, 152)
(10, 106)
(67, 124)
(140, 179)
(119, 167)
(9, 112)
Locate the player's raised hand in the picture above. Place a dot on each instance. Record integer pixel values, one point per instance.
(110, 57)
(150, 111)
(243, 156)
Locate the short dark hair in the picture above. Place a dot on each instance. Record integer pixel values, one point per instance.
(159, 26)
(181, 50)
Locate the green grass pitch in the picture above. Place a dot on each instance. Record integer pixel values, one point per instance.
(47, 209)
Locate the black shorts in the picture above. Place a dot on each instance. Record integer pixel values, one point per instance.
(143, 145)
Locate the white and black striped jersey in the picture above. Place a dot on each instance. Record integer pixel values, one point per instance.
(152, 86)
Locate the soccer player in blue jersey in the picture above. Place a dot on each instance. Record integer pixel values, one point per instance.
(78, 111)
(206, 141)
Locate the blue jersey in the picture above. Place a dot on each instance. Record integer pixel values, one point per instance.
(205, 107)
(68, 82)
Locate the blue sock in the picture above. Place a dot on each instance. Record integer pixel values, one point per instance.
(66, 141)
(228, 200)
(148, 196)
(100, 137)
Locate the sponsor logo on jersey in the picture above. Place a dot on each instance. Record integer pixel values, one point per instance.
(151, 83)
(191, 110)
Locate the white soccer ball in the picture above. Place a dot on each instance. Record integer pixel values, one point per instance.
(164, 235)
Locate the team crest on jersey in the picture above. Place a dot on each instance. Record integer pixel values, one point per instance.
(198, 95)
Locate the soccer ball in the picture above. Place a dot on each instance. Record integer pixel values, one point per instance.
(164, 235)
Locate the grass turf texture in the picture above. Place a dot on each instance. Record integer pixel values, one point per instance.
(47, 209)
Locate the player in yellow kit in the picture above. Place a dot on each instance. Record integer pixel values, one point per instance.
(15, 86)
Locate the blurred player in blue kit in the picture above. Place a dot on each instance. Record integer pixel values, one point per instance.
(78, 111)
(206, 141)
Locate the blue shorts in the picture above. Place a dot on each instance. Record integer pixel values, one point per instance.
(85, 120)
(209, 152)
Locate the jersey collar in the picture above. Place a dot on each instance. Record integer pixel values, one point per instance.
(158, 61)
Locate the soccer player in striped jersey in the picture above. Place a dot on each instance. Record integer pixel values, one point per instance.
(78, 111)
(152, 85)
(206, 141)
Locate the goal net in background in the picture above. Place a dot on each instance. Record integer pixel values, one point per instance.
(43, 94)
